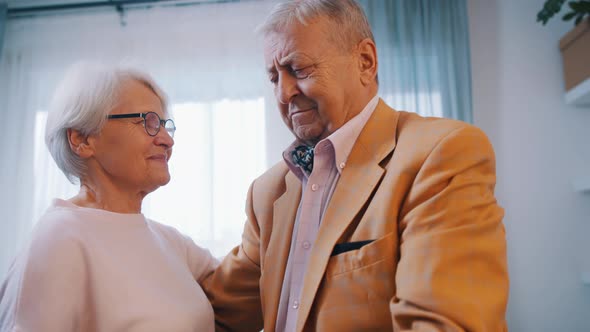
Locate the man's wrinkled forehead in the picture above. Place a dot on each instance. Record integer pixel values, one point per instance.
(294, 37)
(277, 46)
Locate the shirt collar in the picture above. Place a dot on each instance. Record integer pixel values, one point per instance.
(342, 140)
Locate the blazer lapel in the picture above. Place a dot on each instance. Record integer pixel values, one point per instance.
(285, 210)
(357, 181)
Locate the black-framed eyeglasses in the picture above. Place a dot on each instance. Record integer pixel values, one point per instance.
(151, 122)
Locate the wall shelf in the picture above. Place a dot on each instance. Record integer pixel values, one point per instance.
(582, 185)
(579, 95)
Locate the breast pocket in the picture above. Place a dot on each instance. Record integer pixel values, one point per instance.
(359, 283)
(368, 254)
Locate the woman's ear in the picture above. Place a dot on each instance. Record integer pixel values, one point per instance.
(80, 144)
(367, 52)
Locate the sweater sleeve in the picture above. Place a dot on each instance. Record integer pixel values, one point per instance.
(46, 287)
(200, 261)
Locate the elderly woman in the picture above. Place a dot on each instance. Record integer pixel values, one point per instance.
(95, 262)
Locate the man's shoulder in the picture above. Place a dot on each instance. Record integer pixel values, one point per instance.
(408, 124)
(417, 128)
(268, 187)
(410, 121)
(280, 168)
(274, 176)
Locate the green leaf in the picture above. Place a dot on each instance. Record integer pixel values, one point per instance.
(569, 16)
(553, 6)
(543, 20)
(550, 8)
(579, 19)
(575, 6)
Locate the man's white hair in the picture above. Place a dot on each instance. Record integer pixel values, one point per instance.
(349, 22)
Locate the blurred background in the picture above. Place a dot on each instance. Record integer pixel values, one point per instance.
(487, 62)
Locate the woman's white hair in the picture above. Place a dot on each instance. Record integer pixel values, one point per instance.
(349, 22)
(82, 101)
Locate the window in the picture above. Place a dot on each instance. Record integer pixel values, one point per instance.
(219, 149)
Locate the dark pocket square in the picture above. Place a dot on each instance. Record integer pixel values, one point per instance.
(348, 246)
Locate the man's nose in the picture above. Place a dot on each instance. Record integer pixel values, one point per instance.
(286, 88)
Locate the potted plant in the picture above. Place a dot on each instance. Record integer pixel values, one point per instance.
(578, 10)
(575, 45)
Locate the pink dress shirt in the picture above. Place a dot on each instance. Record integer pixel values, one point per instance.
(330, 155)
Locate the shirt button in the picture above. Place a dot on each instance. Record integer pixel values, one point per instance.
(306, 245)
(295, 304)
(314, 187)
(342, 165)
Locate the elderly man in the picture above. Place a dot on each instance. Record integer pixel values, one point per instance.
(376, 219)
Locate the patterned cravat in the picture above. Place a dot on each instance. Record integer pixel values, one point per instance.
(303, 156)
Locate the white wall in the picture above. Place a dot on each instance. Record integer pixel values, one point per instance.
(541, 146)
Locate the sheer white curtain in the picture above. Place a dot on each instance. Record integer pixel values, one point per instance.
(208, 60)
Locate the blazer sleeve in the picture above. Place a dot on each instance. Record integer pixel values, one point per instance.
(233, 287)
(452, 274)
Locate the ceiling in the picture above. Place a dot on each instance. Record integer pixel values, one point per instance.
(36, 3)
(28, 8)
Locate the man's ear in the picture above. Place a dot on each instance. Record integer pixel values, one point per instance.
(367, 52)
(80, 144)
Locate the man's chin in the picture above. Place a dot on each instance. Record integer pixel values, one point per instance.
(308, 135)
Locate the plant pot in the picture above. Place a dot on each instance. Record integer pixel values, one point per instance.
(575, 51)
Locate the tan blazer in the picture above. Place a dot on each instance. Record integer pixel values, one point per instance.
(423, 190)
